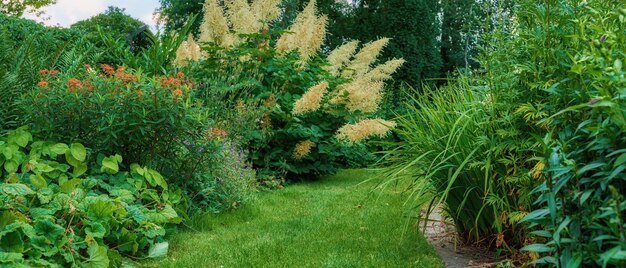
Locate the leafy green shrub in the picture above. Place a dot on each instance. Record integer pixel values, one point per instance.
(231, 180)
(112, 25)
(115, 111)
(27, 47)
(578, 220)
(56, 211)
(555, 119)
(153, 121)
(305, 98)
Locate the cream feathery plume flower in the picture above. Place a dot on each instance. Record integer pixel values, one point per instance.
(306, 34)
(266, 10)
(364, 92)
(188, 51)
(310, 101)
(340, 55)
(302, 149)
(289, 41)
(241, 17)
(384, 71)
(214, 27)
(364, 59)
(362, 95)
(313, 39)
(365, 129)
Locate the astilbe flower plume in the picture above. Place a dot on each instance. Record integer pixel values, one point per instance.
(188, 51)
(365, 129)
(365, 58)
(214, 27)
(266, 10)
(306, 34)
(241, 17)
(310, 101)
(302, 149)
(361, 95)
(364, 91)
(340, 56)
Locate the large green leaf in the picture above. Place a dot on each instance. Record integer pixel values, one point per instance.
(79, 170)
(49, 229)
(167, 215)
(97, 257)
(20, 137)
(539, 248)
(70, 185)
(78, 151)
(158, 250)
(10, 257)
(110, 165)
(38, 181)
(15, 189)
(59, 148)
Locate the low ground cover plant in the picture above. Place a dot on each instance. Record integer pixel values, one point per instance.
(56, 210)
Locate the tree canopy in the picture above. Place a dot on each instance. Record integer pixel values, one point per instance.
(17, 8)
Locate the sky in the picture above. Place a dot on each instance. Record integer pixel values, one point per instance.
(66, 12)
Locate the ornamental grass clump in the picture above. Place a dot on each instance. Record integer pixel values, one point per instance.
(305, 96)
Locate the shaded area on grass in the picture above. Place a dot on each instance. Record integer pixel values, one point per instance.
(334, 222)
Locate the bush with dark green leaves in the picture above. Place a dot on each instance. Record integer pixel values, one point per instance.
(57, 211)
(579, 218)
(27, 47)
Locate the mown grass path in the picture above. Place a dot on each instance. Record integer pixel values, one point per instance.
(333, 222)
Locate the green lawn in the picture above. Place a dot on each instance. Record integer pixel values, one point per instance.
(333, 222)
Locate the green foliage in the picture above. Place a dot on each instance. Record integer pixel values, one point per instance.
(178, 11)
(144, 119)
(153, 121)
(154, 59)
(447, 151)
(578, 81)
(17, 8)
(62, 213)
(114, 23)
(552, 90)
(273, 83)
(28, 47)
(413, 28)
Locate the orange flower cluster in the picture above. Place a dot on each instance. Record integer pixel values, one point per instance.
(123, 76)
(45, 72)
(77, 85)
(177, 93)
(213, 133)
(175, 83)
(43, 83)
(73, 84)
(107, 69)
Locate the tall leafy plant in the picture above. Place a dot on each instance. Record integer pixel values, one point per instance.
(314, 106)
(579, 215)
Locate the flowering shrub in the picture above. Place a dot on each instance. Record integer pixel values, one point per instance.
(114, 111)
(55, 211)
(305, 97)
(152, 121)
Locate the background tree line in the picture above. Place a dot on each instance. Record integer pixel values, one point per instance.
(434, 37)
